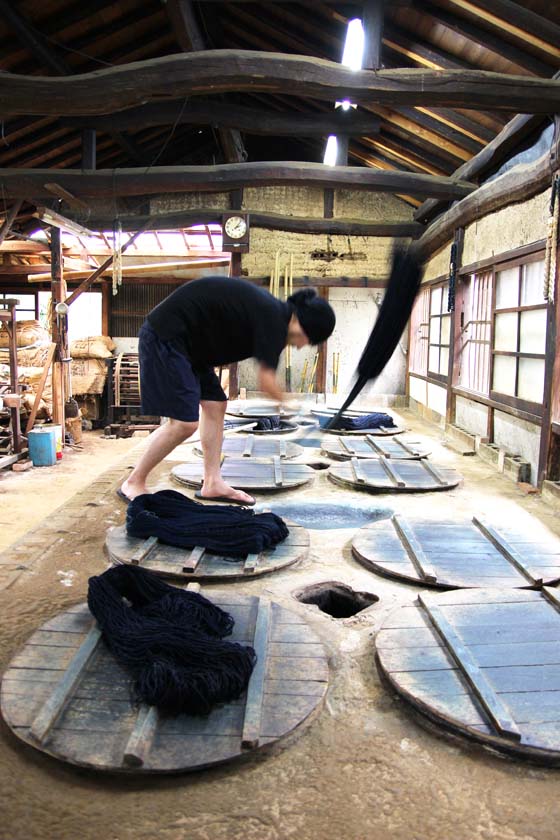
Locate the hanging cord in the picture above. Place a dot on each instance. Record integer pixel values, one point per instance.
(551, 253)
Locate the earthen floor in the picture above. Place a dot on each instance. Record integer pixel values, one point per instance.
(364, 769)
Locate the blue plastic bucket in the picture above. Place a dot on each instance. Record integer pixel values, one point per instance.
(42, 446)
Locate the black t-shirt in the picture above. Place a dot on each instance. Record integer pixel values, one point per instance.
(220, 320)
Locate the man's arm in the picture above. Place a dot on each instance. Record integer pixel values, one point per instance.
(269, 384)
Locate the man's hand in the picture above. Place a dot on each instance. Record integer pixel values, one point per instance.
(269, 384)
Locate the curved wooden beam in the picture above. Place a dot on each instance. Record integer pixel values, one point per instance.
(30, 183)
(519, 184)
(222, 71)
(248, 120)
(270, 221)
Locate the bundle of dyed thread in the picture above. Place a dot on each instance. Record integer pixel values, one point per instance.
(171, 641)
(375, 420)
(268, 424)
(222, 529)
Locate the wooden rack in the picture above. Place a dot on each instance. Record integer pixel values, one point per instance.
(8, 318)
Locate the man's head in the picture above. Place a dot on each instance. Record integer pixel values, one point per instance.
(312, 320)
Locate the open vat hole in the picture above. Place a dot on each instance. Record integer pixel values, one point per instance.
(319, 465)
(336, 599)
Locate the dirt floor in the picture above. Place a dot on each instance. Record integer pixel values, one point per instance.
(365, 768)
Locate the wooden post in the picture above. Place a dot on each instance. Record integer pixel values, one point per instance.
(236, 202)
(58, 291)
(105, 308)
(372, 17)
(89, 149)
(548, 452)
(454, 330)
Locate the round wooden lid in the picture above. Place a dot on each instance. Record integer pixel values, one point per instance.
(250, 447)
(458, 554)
(388, 474)
(483, 663)
(66, 695)
(249, 475)
(368, 446)
(198, 564)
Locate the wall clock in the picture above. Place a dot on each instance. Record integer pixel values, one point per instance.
(235, 232)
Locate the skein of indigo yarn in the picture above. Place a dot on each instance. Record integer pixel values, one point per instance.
(170, 640)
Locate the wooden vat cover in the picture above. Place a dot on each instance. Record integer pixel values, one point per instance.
(198, 564)
(66, 695)
(483, 663)
(248, 446)
(241, 409)
(388, 475)
(249, 475)
(459, 554)
(367, 446)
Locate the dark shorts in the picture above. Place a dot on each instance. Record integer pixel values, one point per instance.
(169, 387)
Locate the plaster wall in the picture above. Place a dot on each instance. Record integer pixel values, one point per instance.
(321, 254)
(509, 228)
(438, 264)
(418, 390)
(518, 437)
(471, 416)
(329, 256)
(437, 398)
(175, 202)
(356, 312)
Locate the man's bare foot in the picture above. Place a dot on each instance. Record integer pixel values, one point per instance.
(131, 490)
(221, 490)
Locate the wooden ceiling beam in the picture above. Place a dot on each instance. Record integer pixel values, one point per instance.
(489, 158)
(249, 120)
(29, 183)
(220, 71)
(519, 184)
(526, 25)
(407, 44)
(373, 18)
(483, 38)
(273, 221)
(30, 38)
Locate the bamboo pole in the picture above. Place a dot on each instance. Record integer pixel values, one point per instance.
(313, 373)
(301, 388)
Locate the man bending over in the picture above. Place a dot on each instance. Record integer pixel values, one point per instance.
(207, 323)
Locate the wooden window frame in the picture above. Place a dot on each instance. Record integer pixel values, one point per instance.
(509, 400)
(439, 378)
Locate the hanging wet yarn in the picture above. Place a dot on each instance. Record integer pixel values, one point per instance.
(402, 288)
(375, 420)
(223, 529)
(170, 640)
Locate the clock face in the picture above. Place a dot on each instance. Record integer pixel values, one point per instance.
(235, 227)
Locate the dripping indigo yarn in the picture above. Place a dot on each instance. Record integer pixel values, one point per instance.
(170, 640)
(402, 288)
(267, 424)
(223, 529)
(368, 421)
